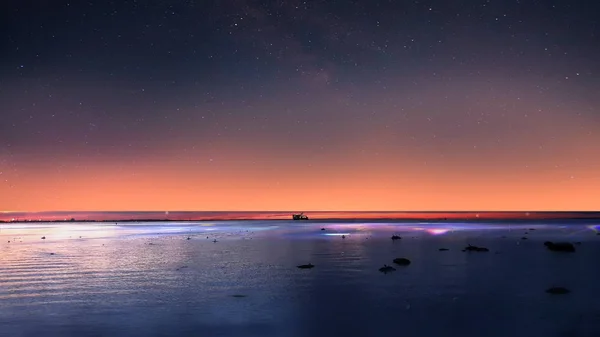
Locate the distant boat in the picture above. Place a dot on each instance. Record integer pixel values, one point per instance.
(300, 216)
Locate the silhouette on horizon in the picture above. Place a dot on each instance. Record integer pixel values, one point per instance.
(300, 216)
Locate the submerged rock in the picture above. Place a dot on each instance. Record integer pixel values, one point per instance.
(396, 237)
(566, 247)
(306, 266)
(558, 290)
(239, 296)
(524, 238)
(443, 249)
(471, 248)
(401, 261)
(387, 269)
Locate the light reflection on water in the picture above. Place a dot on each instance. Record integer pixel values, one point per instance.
(149, 279)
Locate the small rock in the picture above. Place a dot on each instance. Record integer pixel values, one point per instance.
(524, 238)
(566, 247)
(343, 236)
(396, 237)
(239, 296)
(322, 229)
(443, 249)
(387, 269)
(471, 248)
(558, 290)
(306, 266)
(401, 261)
(43, 238)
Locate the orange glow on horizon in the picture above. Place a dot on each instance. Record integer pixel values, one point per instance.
(355, 187)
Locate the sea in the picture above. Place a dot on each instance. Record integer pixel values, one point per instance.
(240, 278)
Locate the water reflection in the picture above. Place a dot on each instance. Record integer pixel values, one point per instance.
(148, 279)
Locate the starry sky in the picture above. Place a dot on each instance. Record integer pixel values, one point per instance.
(251, 105)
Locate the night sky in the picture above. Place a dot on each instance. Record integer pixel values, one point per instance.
(299, 105)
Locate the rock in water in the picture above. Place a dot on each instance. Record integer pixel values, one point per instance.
(558, 290)
(387, 269)
(566, 247)
(401, 261)
(306, 266)
(471, 248)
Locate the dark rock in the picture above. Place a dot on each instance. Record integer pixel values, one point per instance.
(239, 296)
(531, 229)
(43, 238)
(188, 238)
(322, 229)
(343, 236)
(306, 266)
(443, 249)
(401, 261)
(566, 247)
(524, 238)
(51, 253)
(387, 269)
(558, 290)
(578, 242)
(471, 248)
(396, 237)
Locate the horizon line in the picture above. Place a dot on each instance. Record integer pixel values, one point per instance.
(305, 211)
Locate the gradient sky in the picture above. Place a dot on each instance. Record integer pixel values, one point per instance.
(299, 105)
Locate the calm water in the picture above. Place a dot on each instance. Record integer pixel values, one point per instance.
(148, 279)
